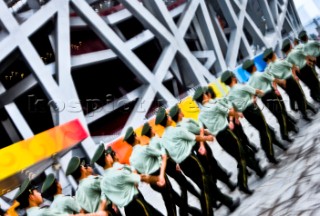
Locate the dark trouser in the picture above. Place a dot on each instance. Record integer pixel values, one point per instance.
(212, 166)
(185, 185)
(318, 61)
(248, 148)
(308, 76)
(296, 95)
(167, 194)
(239, 132)
(138, 206)
(291, 121)
(231, 144)
(192, 168)
(272, 102)
(255, 117)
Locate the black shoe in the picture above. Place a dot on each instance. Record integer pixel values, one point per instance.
(248, 172)
(231, 186)
(294, 129)
(262, 173)
(273, 160)
(306, 118)
(246, 190)
(234, 205)
(312, 109)
(229, 174)
(287, 138)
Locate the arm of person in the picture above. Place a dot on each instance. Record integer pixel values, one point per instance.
(162, 181)
(202, 148)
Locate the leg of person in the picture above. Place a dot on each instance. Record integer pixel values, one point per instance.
(238, 130)
(254, 116)
(185, 185)
(225, 199)
(230, 143)
(271, 101)
(167, 195)
(192, 168)
(308, 76)
(138, 206)
(211, 165)
(290, 121)
(295, 90)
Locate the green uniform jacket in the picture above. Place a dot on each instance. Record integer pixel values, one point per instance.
(178, 142)
(65, 204)
(241, 96)
(214, 116)
(89, 194)
(120, 185)
(280, 69)
(145, 159)
(262, 81)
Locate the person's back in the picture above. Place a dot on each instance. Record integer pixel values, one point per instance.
(88, 194)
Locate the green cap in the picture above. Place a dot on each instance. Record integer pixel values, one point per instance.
(48, 182)
(198, 93)
(98, 154)
(110, 151)
(226, 75)
(174, 111)
(160, 115)
(128, 134)
(285, 44)
(302, 34)
(247, 64)
(145, 129)
(73, 165)
(267, 53)
(23, 190)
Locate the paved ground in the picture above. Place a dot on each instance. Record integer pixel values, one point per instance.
(291, 188)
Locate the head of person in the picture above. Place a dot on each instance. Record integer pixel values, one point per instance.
(147, 130)
(28, 195)
(303, 36)
(162, 118)
(228, 78)
(50, 187)
(210, 92)
(175, 113)
(78, 168)
(200, 94)
(296, 41)
(269, 55)
(131, 137)
(104, 157)
(249, 66)
(286, 46)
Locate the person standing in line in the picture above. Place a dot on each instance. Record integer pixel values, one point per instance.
(173, 170)
(148, 160)
(305, 65)
(208, 161)
(311, 47)
(281, 69)
(52, 190)
(267, 83)
(243, 98)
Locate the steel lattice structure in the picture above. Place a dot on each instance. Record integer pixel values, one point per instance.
(225, 33)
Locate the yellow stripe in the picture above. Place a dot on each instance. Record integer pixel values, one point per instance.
(204, 183)
(268, 133)
(144, 208)
(243, 162)
(283, 117)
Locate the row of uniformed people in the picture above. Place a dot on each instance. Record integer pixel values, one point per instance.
(185, 146)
